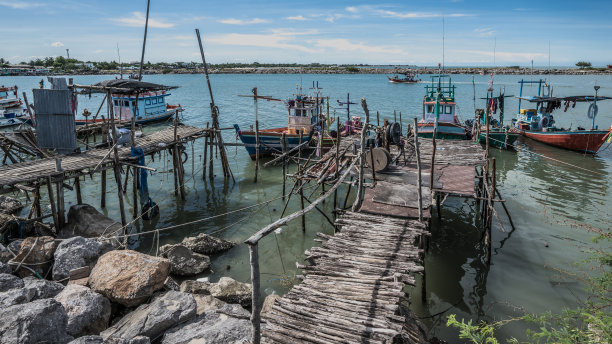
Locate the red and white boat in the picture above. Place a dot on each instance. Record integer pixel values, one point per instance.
(539, 124)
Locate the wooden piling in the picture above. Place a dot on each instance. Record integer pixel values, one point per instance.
(205, 156)
(52, 203)
(337, 163)
(255, 312)
(61, 217)
(211, 174)
(372, 166)
(77, 186)
(37, 200)
(362, 151)
(284, 150)
(116, 164)
(135, 192)
(418, 163)
(181, 169)
(301, 190)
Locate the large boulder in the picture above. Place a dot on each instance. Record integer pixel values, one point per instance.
(40, 288)
(84, 220)
(9, 205)
(183, 261)
(75, 253)
(8, 281)
(213, 327)
(128, 277)
(153, 319)
(40, 321)
(36, 253)
(88, 312)
(111, 340)
(206, 244)
(227, 289)
(13, 297)
(206, 303)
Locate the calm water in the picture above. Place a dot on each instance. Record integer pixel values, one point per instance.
(546, 194)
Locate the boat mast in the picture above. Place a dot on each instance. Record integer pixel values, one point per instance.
(144, 41)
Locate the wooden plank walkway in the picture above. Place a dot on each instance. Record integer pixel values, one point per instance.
(352, 289)
(31, 171)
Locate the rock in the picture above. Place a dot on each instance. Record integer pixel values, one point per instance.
(206, 303)
(153, 319)
(35, 322)
(183, 261)
(41, 289)
(211, 328)
(231, 291)
(9, 205)
(8, 281)
(88, 340)
(88, 312)
(84, 220)
(5, 268)
(77, 252)
(36, 253)
(13, 297)
(128, 277)
(14, 246)
(195, 287)
(171, 284)
(268, 303)
(206, 244)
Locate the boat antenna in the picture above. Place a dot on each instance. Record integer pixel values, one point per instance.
(120, 69)
(144, 41)
(494, 49)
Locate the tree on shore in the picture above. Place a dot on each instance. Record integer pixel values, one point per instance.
(583, 64)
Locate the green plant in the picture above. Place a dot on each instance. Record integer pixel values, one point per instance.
(583, 64)
(352, 69)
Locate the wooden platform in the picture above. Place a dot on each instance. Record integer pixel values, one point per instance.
(80, 163)
(352, 289)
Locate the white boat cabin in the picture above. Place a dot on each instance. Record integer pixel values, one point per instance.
(150, 105)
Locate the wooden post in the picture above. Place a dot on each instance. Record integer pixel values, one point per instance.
(300, 185)
(401, 123)
(127, 177)
(52, 202)
(337, 162)
(37, 200)
(284, 150)
(116, 164)
(135, 192)
(257, 135)
(103, 188)
(210, 160)
(144, 42)
(433, 159)
(377, 119)
(77, 186)
(205, 153)
(418, 163)
(60, 203)
(491, 205)
(372, 166)
(362, 151)
(255, 308)
(180, 172)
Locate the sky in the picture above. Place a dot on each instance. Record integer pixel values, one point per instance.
(476, 33)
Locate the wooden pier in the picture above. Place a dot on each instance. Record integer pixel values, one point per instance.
(352, 289)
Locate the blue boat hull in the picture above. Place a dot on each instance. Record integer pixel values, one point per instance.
(269, 141)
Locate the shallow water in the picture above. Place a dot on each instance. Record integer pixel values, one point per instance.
(547, 190)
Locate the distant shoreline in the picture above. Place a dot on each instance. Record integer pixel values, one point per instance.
(356, 70)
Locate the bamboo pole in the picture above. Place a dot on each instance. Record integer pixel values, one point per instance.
(37, 200)
(301, 190)
(77, 186)
(205, 153)
(362, 151)
(135, 191)
(257, 135)
(337, 163)
(372, 166)
(211, 174)
(116, 164)
(144, 41)
(181, 168)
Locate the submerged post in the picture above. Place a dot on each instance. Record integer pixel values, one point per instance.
(255, 309)
(205, 153)
(284, 150)
(257, 135)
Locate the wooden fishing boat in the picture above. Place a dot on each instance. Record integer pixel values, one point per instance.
(303, 112)
(439, 111)
(539, 124)
(500, 136)
(409, 78)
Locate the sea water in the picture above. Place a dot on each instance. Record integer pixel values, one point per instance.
(552, 194)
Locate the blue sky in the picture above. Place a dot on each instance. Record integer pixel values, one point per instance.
(372, 32)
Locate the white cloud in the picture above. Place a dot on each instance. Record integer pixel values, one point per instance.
(57, 44)
(300, 17)
(19, 4)
(352, 9)
(138, 19)
(485, 32)
(344, 45)
(415, 15)
(233, 21)
(97, 51)
(281, 39)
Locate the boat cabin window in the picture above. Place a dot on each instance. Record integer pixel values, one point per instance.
(126, 103)
(448, 110)
(147, 101)
(430, 108)
(116, 102)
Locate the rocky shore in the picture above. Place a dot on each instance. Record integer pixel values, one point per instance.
(77, 285)
(365, 70)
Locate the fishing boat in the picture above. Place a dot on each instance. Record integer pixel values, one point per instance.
(409, 78)
(132, 98)
(11, 108)
(500, 136)
(439, 111)
(303, 112)
(538, 123)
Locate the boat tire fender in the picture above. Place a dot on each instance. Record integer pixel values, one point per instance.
(592, 111)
